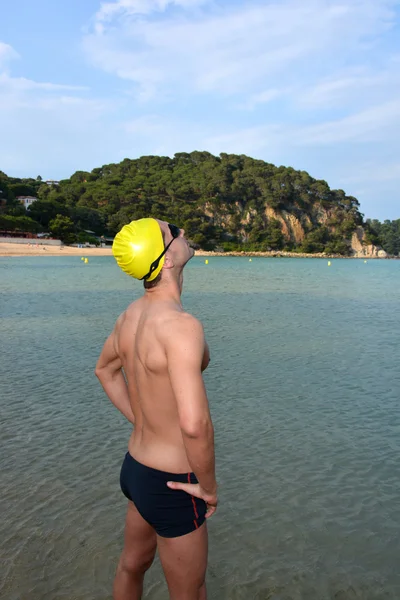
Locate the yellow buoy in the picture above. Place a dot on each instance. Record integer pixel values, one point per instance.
(82, 258)
(206, 261)
(249, 259)
(329, 263)
(365, 261)
(86, 260)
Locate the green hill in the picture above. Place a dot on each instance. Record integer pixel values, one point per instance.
(226, 202)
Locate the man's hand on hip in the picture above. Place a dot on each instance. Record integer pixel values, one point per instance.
(195, 489)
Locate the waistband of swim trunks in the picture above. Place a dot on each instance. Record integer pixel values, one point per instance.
(164, 475)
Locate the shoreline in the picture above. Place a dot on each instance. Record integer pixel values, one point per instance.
(12, 249)
(283, 254)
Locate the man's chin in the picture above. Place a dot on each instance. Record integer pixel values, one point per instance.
(191, 251)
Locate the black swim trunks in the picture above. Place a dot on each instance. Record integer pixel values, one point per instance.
(171, 513)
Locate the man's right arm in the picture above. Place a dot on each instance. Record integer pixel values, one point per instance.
(185, 352)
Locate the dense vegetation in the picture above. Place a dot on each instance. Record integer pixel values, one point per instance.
(386, 234)
(229, 202)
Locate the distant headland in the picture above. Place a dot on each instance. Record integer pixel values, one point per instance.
(227, 204)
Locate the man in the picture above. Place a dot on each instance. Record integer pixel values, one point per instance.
(168, 474)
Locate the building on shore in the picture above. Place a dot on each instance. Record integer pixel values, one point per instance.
(26, 200)
(103, 239)
(9, 234)
(106, 241)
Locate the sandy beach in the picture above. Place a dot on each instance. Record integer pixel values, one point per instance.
(12, 249)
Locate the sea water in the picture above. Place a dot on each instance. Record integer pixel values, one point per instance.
(304, 390)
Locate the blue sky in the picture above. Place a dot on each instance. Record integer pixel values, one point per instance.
(314, 84)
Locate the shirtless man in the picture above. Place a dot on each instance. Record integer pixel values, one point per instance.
(168, 474)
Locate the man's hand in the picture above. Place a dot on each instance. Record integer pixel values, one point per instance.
(195, 489)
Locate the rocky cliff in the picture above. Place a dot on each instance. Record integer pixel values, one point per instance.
(362, 249)
(318, 229)
(294, 229)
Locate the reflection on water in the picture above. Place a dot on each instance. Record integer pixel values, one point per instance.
(303, 385)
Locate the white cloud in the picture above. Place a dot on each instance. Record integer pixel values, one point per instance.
(148, 125)
(20, 91)
(157, 135)
(378, 123)
(353, 87)
(21, 84)
(125, 8)
(7, 53)
(108, 10)
(44, 123)
(228, 49)
(252, 140)
(372, 173)
(261, 98)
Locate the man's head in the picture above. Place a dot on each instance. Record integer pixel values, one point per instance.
(146, 248)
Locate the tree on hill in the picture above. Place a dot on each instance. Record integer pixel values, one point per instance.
(387, 234)
(62, 228)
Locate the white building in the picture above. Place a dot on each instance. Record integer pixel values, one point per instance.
(26, 200)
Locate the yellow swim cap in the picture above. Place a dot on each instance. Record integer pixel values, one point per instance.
(137, 245)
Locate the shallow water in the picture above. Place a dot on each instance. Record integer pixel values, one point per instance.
(304, 389)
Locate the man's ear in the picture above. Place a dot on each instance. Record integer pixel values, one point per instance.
(168, 262)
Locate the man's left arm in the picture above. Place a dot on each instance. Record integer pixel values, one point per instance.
(109, 372)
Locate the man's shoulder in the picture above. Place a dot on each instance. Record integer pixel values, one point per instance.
(180, 325)
(126, 317)
(182, 321)
(133, 309)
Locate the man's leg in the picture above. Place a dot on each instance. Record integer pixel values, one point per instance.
(137, 556)
(184, 561)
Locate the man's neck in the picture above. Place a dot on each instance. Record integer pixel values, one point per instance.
(168, 290)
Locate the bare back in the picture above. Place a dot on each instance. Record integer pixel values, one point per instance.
(140, 341)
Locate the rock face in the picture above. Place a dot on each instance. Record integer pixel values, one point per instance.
(295, 228)
(292, 227)
(361, 249)
(296, 225)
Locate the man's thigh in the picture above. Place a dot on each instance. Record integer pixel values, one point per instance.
(140, 540)
(184, 561)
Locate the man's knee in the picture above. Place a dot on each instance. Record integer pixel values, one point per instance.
(191, 587)
(183, 591)
(135, 564)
